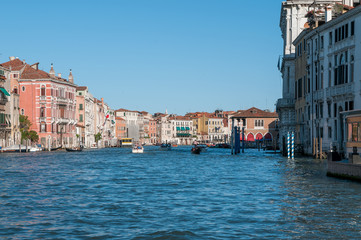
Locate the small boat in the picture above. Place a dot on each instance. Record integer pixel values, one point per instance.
(137, 149)
(202, 147)
(165, 146)
(36, 148)
(78, 149)
(196, 150)
(54, 149)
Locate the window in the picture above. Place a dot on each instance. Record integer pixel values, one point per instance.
(22, 111)
(330, 39)
(352, 70)
(329, 132)
(352, 28)
(81, 118)
(23, 88)
(42, 112)
(15, 90)
(321, 44)
(42, 127)
(42, 92)
(80, 106)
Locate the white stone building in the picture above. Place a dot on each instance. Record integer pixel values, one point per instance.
(181, 130)
(332, 85)
(293, 21)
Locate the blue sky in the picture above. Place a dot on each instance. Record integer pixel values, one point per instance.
(184, 55)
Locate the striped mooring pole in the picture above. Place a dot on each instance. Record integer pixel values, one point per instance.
(288, 146)
(293, 145)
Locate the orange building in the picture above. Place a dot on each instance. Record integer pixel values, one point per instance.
(153, 131)
(120, 128)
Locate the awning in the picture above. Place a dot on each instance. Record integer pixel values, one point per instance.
(250, 137)
(259, 136)
(187, 128)
(178, 128)
(4, 91)
(183, 129)
(268, 136)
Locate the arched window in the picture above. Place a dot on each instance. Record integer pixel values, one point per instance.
(42, 92)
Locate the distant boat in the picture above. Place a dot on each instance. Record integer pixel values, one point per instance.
(196, 150)
(36, 148)
(137, 148)
(165, 146)
(78, 149)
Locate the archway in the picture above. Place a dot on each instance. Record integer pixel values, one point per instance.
(250, 137)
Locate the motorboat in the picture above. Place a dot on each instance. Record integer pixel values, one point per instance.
(36, 148)
(137, 149)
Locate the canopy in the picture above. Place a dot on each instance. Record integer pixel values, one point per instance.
(250, 137)
(268, 136)
(178, 128)
(4, 91)
(187, 128)
(183, 129)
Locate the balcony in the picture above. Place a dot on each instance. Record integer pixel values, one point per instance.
(3, 101)
(340, 90)
(42, 98)
(318, 95)
(63, 120)
(42, 119)
(285, 103)
(61, 100)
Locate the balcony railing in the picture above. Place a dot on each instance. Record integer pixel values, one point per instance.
(42, 98)
(285, 102)
(3, 101)
(339, 90)
(61, 100)
(42, 119)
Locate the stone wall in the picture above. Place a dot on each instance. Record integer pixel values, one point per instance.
(344, 170)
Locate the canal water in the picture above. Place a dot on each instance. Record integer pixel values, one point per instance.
(113, 194)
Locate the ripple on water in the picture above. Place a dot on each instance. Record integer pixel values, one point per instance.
(113, 194)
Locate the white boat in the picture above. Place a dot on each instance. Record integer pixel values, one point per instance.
(36, 148)
(137, 149)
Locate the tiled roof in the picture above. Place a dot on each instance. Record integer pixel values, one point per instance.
(119, 118)
(15, 64)
(179, 118)
(31, 73)
(255, 113)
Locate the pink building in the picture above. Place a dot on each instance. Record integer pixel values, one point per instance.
(48, 101)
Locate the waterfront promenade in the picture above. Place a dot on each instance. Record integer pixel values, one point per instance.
(113, 194)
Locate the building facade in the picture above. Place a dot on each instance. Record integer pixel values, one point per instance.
(48, 101)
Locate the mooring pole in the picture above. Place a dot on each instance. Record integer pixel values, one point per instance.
(288, 146)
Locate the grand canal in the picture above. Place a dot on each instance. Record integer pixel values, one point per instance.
(113, 194)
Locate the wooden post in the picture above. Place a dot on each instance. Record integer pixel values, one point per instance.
(321, 153)
(314, 147)
(232, 136)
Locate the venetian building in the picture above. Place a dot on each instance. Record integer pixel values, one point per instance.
(293, 20)
(49, 102)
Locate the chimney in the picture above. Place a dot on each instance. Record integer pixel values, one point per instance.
(328, 14)
(102, 99)
(59, 75)
(12, 58)
(35, 66)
